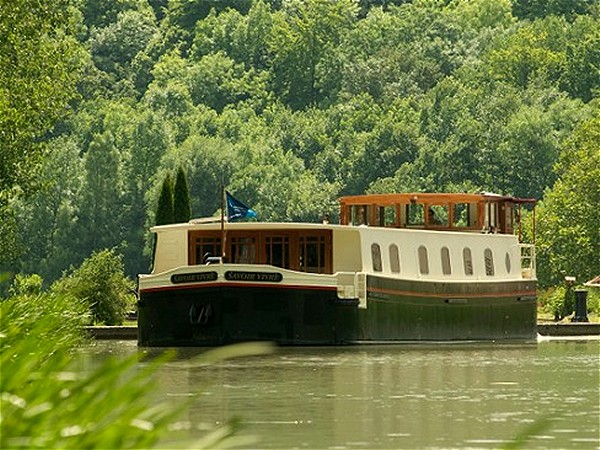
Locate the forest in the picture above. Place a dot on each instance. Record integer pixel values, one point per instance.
(291, 104)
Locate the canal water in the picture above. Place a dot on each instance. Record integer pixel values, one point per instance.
(445, 396)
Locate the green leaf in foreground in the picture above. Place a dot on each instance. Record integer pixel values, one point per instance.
(48, 402)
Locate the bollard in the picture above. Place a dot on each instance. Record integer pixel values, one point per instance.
(580, 306)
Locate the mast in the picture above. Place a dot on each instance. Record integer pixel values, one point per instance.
(223, 206)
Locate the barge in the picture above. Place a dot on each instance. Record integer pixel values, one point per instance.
(396, 268)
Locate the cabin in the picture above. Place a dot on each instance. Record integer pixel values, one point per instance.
(487, 213)
(326, 249)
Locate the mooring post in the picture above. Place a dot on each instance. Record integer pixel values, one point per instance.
(580, 306)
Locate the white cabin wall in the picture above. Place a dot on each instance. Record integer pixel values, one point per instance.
(409, 241)
(171, 250)
(346, 250)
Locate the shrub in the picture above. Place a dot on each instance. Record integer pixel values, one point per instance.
(101, 282)
(26, 285)
(559, 301)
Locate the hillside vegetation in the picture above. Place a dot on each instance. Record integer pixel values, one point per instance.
(291, 104)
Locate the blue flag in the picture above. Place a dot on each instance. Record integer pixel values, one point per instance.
(236, 210)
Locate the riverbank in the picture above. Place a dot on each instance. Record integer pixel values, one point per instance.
(544, 329)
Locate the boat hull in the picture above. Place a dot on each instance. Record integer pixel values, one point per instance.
(394, 311)
(438, 311)
(221, 315)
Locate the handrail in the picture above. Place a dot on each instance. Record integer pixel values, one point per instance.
(528, 268)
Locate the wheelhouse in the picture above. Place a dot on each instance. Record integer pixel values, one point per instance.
(489, 213)
(304, 250)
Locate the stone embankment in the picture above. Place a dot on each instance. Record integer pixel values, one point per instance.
(569, 329)
(113, 332)
(544, 329)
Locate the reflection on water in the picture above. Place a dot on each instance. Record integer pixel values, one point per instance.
(400, 396)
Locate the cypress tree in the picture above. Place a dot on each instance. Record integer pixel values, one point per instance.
(164, 211)
(182, 211)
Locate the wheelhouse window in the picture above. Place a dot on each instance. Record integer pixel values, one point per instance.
(386, 216)
(359, 215)
(376, 257)
(313, 254)
(446, 267)
(488, 258)
(423, 260)
(415, 214)
(437, 215)
(205, 246)
(491, 217)
(461, 215)
(467, 261)
(394, 259)
(277, 250)
(243, 250)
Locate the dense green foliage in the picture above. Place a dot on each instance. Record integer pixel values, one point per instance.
(102, 284)
(294, 103)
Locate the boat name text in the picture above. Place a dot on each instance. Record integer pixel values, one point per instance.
(196, 277)
(269, 277)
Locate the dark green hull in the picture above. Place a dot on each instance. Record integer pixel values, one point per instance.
(395, 311)
(413, 310)
(222, 315)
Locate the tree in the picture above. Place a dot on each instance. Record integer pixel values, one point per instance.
(581, 77)
(40, 65)
(164, 210)
(182, 211)
(100, 281)
(536, 9)
(101, 209)
(568, 225)
(303, 33)
(47, 219)
(115, 46)
(148, 143)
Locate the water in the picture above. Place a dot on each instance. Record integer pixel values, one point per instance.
(475, 396)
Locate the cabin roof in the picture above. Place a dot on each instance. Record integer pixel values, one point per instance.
(206, 224)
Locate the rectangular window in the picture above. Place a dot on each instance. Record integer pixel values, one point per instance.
(312, 254)
(206, 246)
(461, 215)
(277, 251)
(437, 215)
(386, 216)
(243, 250)
(359, 215)
(415, 214)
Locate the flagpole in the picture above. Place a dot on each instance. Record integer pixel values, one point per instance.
(223, 206)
